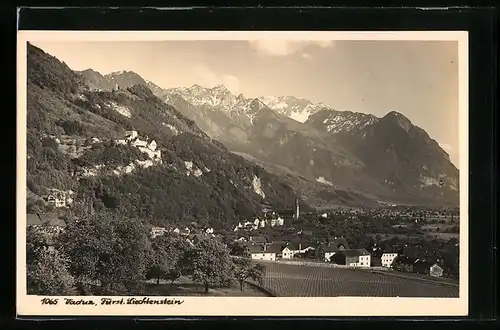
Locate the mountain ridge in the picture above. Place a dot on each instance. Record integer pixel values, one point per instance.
(323, 144)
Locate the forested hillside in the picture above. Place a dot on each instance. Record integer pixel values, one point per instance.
(74, 136)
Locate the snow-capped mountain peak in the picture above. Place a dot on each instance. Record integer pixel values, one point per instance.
(220, 98)
(296, 108)
(217, 97)
(117, 73)
(334, 121)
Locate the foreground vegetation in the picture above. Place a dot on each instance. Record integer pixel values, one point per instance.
(101, 254)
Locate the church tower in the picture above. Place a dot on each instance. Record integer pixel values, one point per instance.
(297, 213)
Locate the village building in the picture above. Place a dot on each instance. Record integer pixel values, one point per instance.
(293, 248)
(158, 231)
(387, 259)
(266, 208)
(195, 238)
(257, 240)
(185, 232)
(145, 146)
(436, 270)
(268, 252)
(422, 267)
(404, 264)
(353, 258)
(325, 251)
(59, 198)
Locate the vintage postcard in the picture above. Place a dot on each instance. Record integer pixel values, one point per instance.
(242, 173)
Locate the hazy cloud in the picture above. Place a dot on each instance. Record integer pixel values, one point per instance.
(286, 47)
(203, 76)
(306, 56)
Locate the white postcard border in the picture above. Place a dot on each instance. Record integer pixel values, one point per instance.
(245, 306)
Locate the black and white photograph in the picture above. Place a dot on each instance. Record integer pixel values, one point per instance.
(258, 166)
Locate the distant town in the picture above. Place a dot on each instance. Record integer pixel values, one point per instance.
(403, 239)
(303, 238)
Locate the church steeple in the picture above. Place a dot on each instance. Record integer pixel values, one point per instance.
(297, 210)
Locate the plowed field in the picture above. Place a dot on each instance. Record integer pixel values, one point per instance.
(286, 280)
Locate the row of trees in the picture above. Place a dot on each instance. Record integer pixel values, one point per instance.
(102, 254)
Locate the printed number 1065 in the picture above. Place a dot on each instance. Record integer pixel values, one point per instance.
(49, 301)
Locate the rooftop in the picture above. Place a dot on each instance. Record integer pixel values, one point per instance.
(354, 253)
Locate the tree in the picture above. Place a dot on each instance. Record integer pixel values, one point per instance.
(244, 270)
(107, 250)
(211, 263)
(47, 268)
(237, 249)
(168, 258)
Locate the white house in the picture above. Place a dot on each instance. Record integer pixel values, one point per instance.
(149, 148)
(157, 231)
(291, 249)
(263, 251)
(436, 271)
(329, 252)
(354, 258)
(152, 145)
(130, 135)
(60, 198)
(364, 260)
(287, 253)
(388, 258)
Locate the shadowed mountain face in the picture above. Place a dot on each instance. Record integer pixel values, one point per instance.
(399, 155)
(171, 171)
(386, 159)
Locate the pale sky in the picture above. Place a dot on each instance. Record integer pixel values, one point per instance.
(417, 78)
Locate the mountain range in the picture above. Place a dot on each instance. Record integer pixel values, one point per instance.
(222, 155)
(386, 159)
